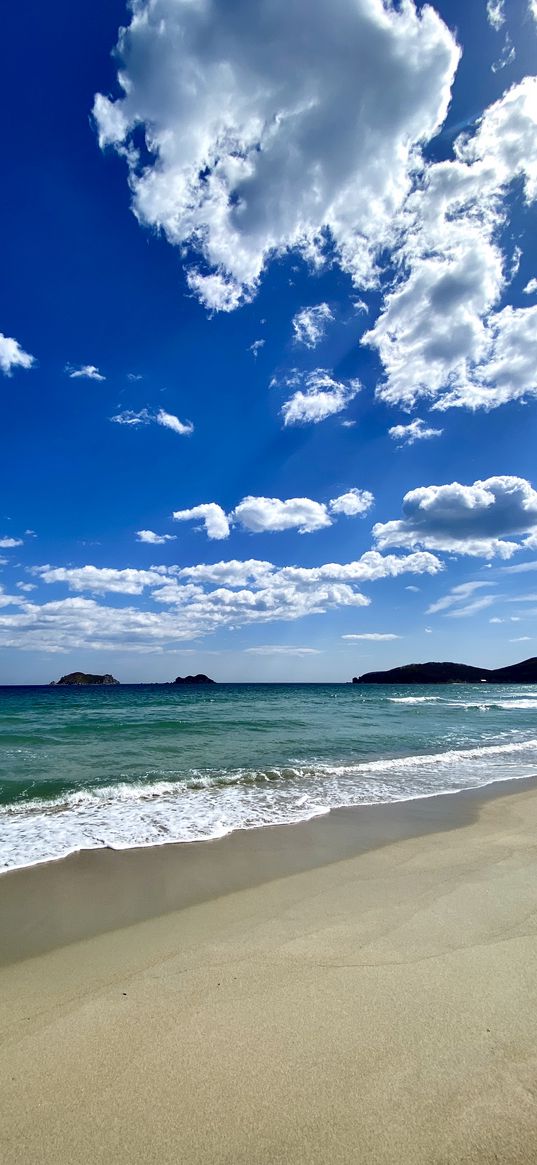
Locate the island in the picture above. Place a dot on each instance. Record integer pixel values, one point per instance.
(453, 673)
(83, 679)
(199, 679)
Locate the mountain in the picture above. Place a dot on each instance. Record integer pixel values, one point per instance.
(453, 673)
(82, 678)
(199, 679)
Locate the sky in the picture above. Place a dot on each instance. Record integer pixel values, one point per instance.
(268, 337)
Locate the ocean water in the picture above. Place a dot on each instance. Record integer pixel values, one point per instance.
(143, 765)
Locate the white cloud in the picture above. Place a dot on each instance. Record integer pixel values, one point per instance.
(13, 356)
(531, 287)
(319, 396)
(8, 543)
(520, 568)
(26, 586)
(256, 347)
(465, 519)
(495, 13)
(101, 579)
(211, 514)
(374, 636)
(266, 131)
(259, 515)
(84, 372)
(145, 417)
(439, 335)
(415, 590)
(128, 417)
(281, 649)
(352, 503)
(521, 639)
(199, 599)
(457, 596)
(171, 422)
(310, 324)
(152, 538)
(415, 431)
(532, 5)
(507, 55)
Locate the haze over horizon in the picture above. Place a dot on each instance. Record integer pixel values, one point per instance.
(268, 338)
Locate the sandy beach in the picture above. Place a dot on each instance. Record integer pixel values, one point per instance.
(359, 988)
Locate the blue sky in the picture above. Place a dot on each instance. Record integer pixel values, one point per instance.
(284, 272)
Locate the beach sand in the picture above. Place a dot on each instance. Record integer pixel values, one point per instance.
(361, 988)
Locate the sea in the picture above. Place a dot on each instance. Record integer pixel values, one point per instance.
(140, 765)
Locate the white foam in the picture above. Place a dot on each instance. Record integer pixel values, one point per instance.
(209, 805)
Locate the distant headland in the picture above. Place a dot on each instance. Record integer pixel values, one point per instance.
(82, 679)
(453, 673)
(199, 679)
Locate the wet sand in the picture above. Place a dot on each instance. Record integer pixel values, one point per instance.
(358, 988)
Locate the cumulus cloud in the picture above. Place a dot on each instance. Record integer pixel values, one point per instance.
(415, 431)
(352, 503)
(13, 356)
(84, 372)
(8, 543)
(266, 131)
(439, 334)
(170, 422)
(256, 347)
(212, 516)
(531, 287)
(189, 602)
(152, 538)
(101, 579)
(319, 396)
(374, 636)
(465, 519)
(259, 515)
(310, 324)
(145, 417)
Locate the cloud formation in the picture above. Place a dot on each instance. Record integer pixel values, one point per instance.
(190, 602)
(310, 324)
(8, 543)
(84, 372)
(146, 417)
(415, 431)
(459, 600)
(13, 356)
(260, 515)
(318, 396)
(212, 516)
(267, 131)
(439, 334)
(373, 636)
(465, 519)
(153, 539)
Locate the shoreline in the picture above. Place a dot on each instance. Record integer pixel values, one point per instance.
(357, 988)
(38, 915)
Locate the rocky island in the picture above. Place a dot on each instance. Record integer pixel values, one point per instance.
(82, 679)
(453, 673)
(199, 679)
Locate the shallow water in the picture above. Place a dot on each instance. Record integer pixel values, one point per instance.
(146, 764)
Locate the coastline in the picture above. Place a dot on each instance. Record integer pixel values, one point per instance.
(329, 991)
(68, 900)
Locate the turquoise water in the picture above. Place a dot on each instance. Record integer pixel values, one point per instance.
(142, 765)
